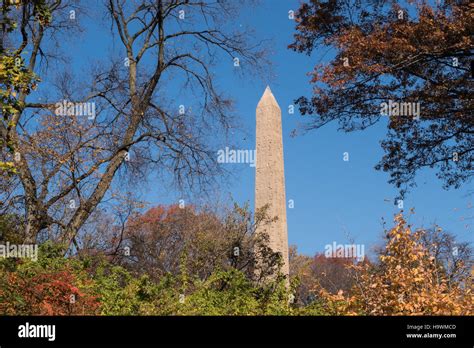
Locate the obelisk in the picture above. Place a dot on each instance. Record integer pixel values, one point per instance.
(270, 174)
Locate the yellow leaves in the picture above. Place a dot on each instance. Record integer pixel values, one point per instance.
(8, 167)
(404, 283)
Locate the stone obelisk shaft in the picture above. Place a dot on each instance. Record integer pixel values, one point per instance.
(270, 173)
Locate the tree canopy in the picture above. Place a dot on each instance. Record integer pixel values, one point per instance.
(58, 166)
(412, 54)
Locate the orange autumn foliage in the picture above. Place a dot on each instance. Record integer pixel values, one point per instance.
(413, 51)
(45, 293)
(407, 281)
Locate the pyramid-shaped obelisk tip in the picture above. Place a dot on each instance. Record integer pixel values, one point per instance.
(268, 98)
(267, 93)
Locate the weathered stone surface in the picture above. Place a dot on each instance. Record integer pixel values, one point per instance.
(270, 173)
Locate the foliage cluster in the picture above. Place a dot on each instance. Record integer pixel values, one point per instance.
(408, 279)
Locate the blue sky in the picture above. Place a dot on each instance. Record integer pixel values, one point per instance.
(334, 200)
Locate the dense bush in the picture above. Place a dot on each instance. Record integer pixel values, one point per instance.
(55, 285)
(408, 279)
(52, 285)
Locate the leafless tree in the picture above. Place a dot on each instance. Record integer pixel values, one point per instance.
(68, 164)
